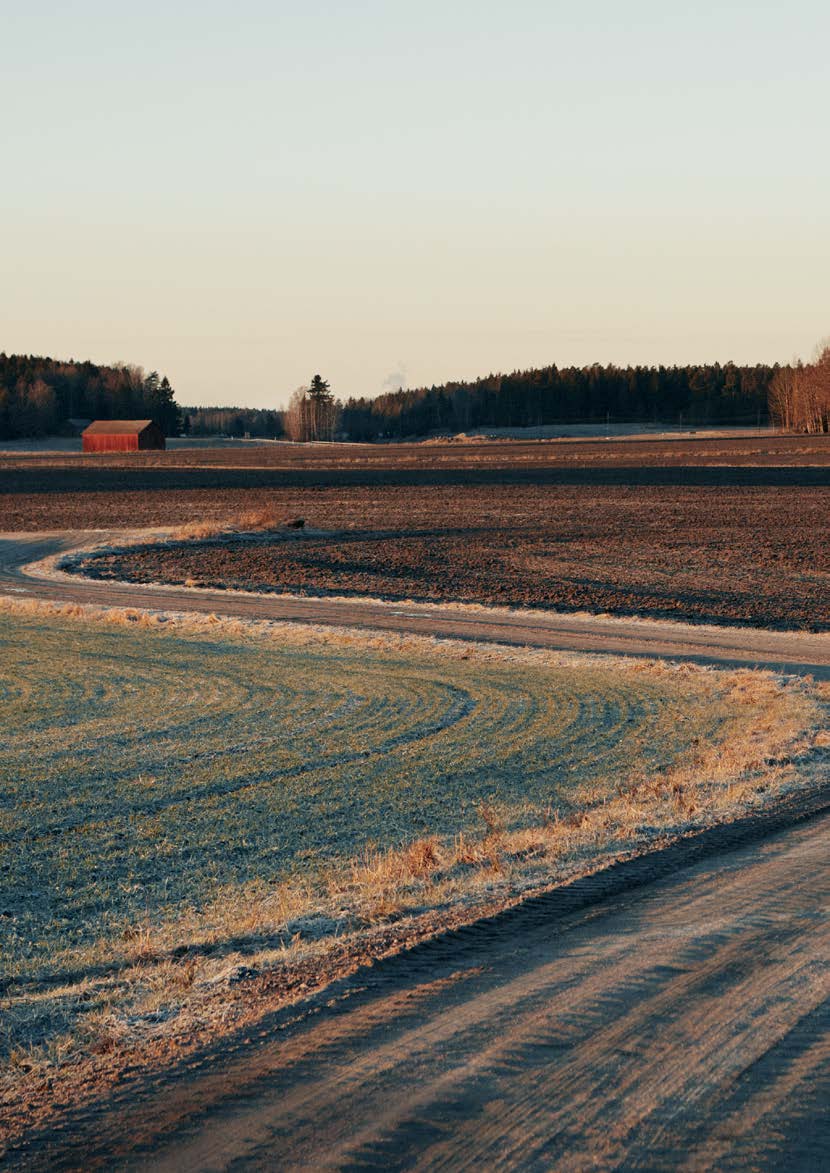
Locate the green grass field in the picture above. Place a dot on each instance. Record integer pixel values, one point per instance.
(143, 772)
(154, 774)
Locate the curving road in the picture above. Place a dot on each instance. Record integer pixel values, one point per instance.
(686, 1027)
(791, 652)
(672, 1015)
(672, 1012)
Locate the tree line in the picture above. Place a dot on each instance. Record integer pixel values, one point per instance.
(693, 395)
(254, 422)
(313, 413)
(39, 396)
(697, 395)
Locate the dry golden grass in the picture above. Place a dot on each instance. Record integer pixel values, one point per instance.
(198, 530)
(250, 521)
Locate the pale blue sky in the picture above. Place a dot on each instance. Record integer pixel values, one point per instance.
(241, 195)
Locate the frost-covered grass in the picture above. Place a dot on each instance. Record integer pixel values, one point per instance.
(164, 784)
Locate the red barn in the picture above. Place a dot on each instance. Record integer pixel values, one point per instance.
(122, 436)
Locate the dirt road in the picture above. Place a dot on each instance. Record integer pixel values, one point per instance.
(681, 1024)
(792, 652)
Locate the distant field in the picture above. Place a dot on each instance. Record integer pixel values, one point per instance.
(64, 444)
(148, 775)
(321, 462)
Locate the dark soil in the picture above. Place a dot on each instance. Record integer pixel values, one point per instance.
(758, 556)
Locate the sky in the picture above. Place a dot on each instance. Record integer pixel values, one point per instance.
(240, 196)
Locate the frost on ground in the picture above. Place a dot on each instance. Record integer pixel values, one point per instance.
(188, 802)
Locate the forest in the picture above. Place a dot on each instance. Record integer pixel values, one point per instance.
(38, 396)
(698, 395)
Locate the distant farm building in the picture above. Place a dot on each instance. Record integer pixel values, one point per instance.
(122, 436)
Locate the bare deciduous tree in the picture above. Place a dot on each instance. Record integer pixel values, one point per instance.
(799, 396)
(298, 416)
(312, 412)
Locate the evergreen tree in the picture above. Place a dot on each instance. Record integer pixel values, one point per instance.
(163, 410)
(322, 409)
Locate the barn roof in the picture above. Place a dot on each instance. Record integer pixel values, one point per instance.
(117, 427)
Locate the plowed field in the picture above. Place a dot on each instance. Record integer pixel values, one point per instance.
(758, 556)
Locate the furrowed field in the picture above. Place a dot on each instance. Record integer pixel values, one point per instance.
(169, 792)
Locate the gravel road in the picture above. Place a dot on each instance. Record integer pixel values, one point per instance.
(685, 1026)
(664, 1016)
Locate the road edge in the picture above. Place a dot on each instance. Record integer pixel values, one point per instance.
(89, 1134)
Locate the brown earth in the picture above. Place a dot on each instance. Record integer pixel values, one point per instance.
(750, 555)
